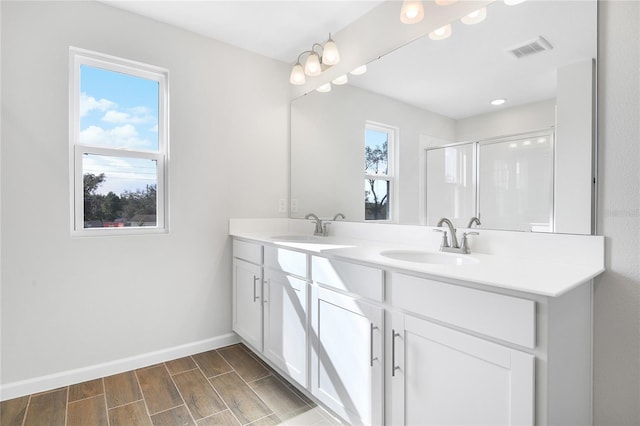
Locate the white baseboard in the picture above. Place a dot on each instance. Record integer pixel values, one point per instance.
(79, 375)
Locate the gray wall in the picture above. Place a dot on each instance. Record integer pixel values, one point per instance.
(69, 303)
(617, 292)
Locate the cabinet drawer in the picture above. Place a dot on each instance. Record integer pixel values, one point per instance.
(361, 280)
(504, 317)
(250, 252)
(290, 261)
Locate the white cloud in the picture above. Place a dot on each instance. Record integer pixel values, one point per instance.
(119, 117)
(89, 103)
(119, 137)
(122, 174)
(154, 129)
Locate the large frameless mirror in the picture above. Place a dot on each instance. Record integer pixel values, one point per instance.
(538, 55)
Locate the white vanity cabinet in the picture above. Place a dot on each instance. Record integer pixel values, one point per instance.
(270, 305)
(247, 292)
(347, 340)
(445, 377)
(286, 311)
(388, 345)
(442, 376)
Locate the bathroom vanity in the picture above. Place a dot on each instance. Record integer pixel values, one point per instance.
(388, 330)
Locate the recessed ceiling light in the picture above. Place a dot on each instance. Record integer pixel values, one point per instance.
(360, 70)
(512, 2)
(324, 88)
(475, 17)
(340, 80)
(446, 2)
(497, 102)
(541, 140)
(441, 33)
(527, 142)
(513, 145)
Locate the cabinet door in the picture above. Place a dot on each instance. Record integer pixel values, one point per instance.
(247, 302)
(444, 377)
(285, 323)
(346, 360)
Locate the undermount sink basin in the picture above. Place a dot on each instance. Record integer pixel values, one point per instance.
(296, 238)
(417, 256)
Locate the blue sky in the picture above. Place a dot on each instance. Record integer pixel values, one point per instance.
(118, 111)
(374, 139)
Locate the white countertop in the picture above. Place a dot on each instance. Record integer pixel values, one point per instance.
(540, 277)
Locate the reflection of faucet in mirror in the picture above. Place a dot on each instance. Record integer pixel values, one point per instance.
(339, 216)
(318, 230)
(472, 221)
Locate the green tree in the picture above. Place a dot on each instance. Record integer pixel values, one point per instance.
(141, 202)
(93, 202)
(112, 207)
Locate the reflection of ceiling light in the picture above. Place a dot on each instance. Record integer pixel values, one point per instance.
(359, 71)
(527, 142)
(497, 102)
(441, 33)
(315, 63)
(475, 17)
(446, 2)
(509, 2)
(541, 140)
(324, 88)
(340, 80)
(412, 12)
(513, 145)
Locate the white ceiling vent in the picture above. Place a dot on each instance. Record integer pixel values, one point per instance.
(530, 48)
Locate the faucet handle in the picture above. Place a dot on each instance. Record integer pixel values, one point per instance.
(445, 240)
(325, 229)
(464, 245)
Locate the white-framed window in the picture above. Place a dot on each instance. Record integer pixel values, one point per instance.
(119, 147)
(379, 180)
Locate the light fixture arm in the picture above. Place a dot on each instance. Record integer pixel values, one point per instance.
(303, 53)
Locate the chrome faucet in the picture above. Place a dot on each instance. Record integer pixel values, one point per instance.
(463, 247)
(472, 221)
(339, 216)
(319, 229)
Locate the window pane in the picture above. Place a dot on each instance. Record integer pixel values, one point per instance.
(119, 191)
(118, 110)
(376, 147)
(376, 199)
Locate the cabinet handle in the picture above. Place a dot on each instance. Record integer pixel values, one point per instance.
(255, 294)
(394, 367)
(265, 289)
(373, 327)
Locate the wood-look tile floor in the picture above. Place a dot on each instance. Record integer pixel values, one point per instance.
(227, 386)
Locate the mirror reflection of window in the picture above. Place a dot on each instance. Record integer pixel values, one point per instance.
(378, 171)
(516, 183)
(451, 186)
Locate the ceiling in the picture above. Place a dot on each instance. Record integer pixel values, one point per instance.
(459, 76)
(277, 29)
(456, 77)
